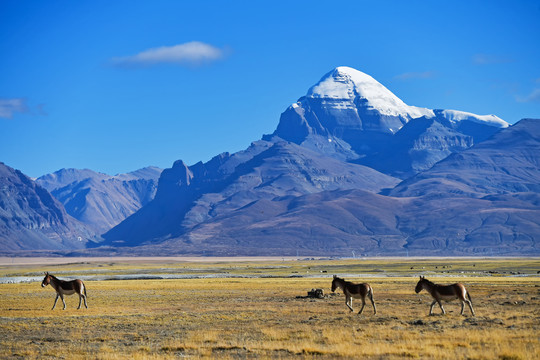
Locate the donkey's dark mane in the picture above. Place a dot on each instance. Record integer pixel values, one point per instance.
(345, 282)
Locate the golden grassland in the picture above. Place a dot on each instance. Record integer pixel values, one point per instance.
(262, 317)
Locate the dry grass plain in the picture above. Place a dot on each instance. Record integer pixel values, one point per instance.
(254, 312)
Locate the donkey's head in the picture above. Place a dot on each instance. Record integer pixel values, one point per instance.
(335, 283)
(46, 280)
(421, 283)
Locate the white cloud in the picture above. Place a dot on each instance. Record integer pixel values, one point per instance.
(534, 96)
(415, 75)
(8, 107)
(190, 53)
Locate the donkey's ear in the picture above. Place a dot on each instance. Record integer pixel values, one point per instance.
(335, 276)
(421, 277)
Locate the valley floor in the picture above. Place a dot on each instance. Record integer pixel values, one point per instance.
(259, 310)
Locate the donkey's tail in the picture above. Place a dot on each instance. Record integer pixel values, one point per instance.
(86, 296)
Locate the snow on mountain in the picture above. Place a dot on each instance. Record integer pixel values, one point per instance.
(350, 116)
(457, 116)
(346, 83)
(353, 86)
(351, 105)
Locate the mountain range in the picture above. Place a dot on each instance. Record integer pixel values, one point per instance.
(350, 169)
(101, 201)
(350, 116)
(32, 219)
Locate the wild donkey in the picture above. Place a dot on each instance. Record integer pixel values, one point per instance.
(444, 292)
(358, 291)
(65, 287)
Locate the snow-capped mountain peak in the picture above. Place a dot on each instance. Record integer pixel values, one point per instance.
(351, 115)
(346, 83)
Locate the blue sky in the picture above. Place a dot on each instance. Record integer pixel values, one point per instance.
(118, 85)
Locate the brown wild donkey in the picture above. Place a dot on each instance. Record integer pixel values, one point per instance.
(446, 293)
(65, 288)
(358, 291)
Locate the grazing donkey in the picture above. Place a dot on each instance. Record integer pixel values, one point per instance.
(65, 287)
(358, 291)
(446, 293)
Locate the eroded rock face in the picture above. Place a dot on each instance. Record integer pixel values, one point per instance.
(31, 218)
(99, 200)
(506, 163)
(188, 196)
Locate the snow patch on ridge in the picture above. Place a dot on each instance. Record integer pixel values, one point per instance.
(456, 116)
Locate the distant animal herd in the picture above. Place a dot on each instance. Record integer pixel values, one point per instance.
(351, 290)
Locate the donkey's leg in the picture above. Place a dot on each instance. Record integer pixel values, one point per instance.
(84, 298)
(63, 301)
(363, 304)
(372, 302)
(440, 304)
(462, 306)
(55, 300)
(80, 299)
(348, 300)
(470, 307)
(431, 307)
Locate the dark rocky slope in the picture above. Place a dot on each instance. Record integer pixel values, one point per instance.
(32, 219)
